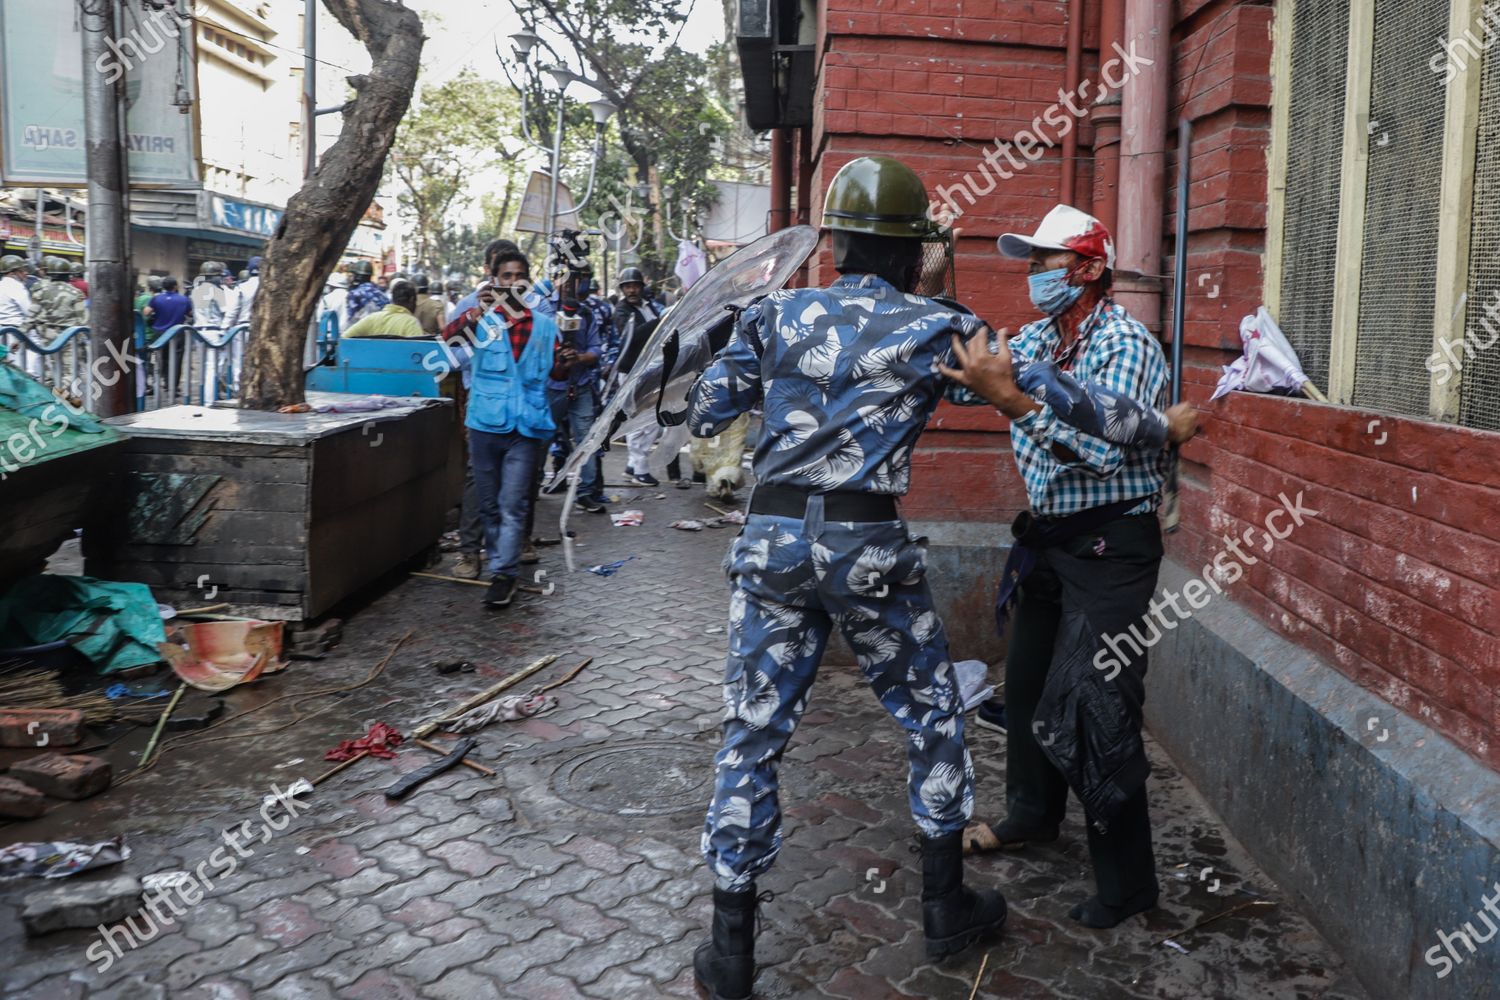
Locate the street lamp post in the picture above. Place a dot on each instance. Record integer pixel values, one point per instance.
(524, 44)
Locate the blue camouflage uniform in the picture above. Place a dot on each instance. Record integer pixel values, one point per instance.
(364, 299)
(847, 377)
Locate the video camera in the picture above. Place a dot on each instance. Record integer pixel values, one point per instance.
(567, 262)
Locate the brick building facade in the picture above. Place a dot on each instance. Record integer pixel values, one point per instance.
(1395, 584)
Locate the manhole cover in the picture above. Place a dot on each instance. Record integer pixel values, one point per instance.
(638, 779)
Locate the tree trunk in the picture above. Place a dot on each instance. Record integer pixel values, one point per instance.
(321, 217)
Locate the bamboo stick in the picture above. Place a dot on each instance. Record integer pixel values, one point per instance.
(466, 762)
(451, 579)
(571, 674)
(162, 724)
(339, 767)
(427, 728)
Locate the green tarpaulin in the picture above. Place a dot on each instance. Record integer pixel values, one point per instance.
(116, 625)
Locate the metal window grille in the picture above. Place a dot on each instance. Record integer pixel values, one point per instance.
(1320, 55)
(1398, 271)
(1479, 355)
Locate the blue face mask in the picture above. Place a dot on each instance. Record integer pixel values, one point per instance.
(1051, 293)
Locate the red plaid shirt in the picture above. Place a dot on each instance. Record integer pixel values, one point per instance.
(517, 321)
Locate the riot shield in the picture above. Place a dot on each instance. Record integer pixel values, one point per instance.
(682, 345)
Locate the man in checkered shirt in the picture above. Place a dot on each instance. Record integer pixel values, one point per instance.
(1085, 564)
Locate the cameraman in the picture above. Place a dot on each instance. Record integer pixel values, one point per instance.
(574, 397)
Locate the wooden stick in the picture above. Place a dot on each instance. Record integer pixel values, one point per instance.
(571, 674)
(335, 769)
(466, 762)
(1312, 392)
(202, 611)
(161, 724)
(721, 510)
(428, 728)
(451, 579)
(1217, 916)
(982, 966)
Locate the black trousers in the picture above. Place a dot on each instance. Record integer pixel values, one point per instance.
(1109, 574)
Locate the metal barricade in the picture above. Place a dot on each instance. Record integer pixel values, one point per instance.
(183, 364)
(65, 363)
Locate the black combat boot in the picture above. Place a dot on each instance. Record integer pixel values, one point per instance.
(724, 965)
(954, 916)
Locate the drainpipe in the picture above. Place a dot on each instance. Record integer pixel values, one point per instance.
(1106, 119)
(781, 180)
(804, 196)
(1143, 118)
(1072, 76)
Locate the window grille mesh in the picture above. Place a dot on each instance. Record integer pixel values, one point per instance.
(1398, 273)
(1480, 395)
(1320, 55)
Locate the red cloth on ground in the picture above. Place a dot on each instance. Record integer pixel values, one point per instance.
(378, 741)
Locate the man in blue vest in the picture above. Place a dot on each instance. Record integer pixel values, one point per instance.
(516, 352)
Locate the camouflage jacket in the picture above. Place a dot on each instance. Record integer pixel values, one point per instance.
(55, 306)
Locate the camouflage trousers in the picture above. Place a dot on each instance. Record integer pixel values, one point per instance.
(792, 580)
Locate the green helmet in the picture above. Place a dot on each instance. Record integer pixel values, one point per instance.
(210, 268)
(362, 269)
(77, 268)
(56, 267)
(10, 262)
(880, 196)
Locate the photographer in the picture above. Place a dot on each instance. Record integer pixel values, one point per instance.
(574, 398)
(516, 352)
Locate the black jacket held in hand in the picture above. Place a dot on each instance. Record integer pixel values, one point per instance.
(1088, 722)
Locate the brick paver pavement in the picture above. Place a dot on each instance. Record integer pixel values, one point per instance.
(576, 872)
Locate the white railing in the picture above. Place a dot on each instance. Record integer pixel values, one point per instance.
(182, 364)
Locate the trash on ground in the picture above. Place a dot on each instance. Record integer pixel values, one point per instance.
(1173, 944)
(58, 859)
(628, 518)
(452, 666)
(973, 682)
(508, 709)
(164, 881)
(733, 517)
(610, 568)
(378, 742)
(219, 655)
(688, 524)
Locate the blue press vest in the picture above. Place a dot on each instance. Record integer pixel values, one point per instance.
(510, 395)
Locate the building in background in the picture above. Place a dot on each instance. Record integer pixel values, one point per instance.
(236, 70)
(1340, 703)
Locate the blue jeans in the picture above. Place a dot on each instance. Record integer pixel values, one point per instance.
(792, 581)
(503, 468)
(573, 418)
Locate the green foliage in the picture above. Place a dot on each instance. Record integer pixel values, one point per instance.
(454, 132)
(669, 121)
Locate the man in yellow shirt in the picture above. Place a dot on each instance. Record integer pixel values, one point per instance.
(396, 320)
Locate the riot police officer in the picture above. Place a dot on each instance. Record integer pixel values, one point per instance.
(57, 305)
(365, 297)
(210, 297)
(847, 377)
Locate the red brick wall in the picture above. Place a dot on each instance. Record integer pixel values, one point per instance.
(1401, 592)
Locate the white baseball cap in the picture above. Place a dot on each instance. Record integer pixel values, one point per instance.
(1064, 228)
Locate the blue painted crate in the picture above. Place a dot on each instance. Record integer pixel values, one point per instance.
(380, 367)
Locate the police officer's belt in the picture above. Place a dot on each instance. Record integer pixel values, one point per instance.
(782, 501)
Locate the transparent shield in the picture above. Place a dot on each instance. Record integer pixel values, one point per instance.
(750, 273)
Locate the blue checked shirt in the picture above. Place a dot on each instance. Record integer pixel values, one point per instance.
(847, 376)
(1118, 353)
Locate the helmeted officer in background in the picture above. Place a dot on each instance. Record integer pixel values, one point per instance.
(245, 291)
(847, 377)
(57, 305)
(365, 297)
(78, 279)
(210, 297)
(634, 319)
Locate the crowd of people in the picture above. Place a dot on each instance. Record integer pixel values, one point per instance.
(520, 401)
